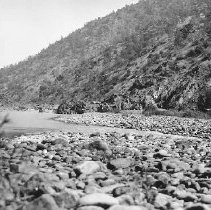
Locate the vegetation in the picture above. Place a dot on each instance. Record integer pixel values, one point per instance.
(73, 107)
(157, 48)
(4, 121)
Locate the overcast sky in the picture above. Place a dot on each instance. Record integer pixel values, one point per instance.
(27, 26)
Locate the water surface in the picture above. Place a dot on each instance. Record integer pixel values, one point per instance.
(23, 122)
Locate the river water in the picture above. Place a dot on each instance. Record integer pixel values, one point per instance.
(23, 122)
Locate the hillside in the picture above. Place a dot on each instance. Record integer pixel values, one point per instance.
(160, 48)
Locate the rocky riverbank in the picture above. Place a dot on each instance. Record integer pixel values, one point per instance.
(165, 124)
(61, 170)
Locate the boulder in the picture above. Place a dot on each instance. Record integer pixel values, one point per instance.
(44, 202)
(87, 167)
(98, 199)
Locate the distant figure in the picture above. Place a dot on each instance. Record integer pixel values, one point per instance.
(40, 109)
(118, 102)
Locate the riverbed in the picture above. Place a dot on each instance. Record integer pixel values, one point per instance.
(28, 122)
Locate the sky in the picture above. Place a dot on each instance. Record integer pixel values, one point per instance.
(28, 26)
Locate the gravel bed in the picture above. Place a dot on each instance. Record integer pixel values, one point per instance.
(63, 170)
(164, 124)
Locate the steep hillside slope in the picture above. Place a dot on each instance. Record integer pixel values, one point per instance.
(156, 47)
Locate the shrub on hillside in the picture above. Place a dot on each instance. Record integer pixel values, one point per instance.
(104, 107)
(92, 106)
(186, 113)
(195, 114)
(149, 105)
(77, 107)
